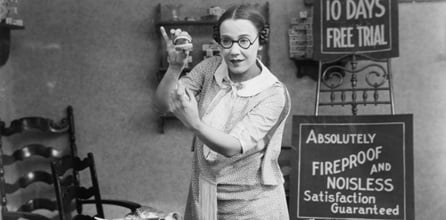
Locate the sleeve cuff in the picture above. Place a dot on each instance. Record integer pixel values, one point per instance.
(243, 137)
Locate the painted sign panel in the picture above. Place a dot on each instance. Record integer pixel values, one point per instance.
(352, 167)
(355, 26)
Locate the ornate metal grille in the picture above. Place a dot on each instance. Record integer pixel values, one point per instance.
(354, 80)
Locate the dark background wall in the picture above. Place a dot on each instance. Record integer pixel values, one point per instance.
(101, 57)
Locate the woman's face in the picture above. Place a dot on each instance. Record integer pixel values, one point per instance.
(241, 62)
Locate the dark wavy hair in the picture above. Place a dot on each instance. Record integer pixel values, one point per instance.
(247, 12)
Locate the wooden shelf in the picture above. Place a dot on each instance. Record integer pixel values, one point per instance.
(5, 40)
(11, 27)
(3, 24)
(164, 69)
(186, 23)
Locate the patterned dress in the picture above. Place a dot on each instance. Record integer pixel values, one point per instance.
(248, 185)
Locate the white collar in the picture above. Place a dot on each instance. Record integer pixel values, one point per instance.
(249, 87)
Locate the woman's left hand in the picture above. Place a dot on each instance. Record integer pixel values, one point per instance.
(184, 106)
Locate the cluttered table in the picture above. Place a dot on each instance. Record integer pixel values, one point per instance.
(148, 213)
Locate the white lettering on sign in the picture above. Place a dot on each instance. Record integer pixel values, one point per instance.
(354, 9)
(380, 167)
(333, 138)
(363, 9)
(340, 37)
(350, 203)
(360, 184)
(334, 10)
(343, 36)
(371, 35)
(368, 36)
(326, 196)
(346, 163)
(374, 210)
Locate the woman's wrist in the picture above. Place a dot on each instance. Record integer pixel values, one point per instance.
(175, 68)
(197, 127)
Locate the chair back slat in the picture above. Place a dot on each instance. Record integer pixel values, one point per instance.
(85, 193)
(38, 203)
(69, 191)
(23, 215)
(31, 150)
(28, 179)
(80, 165)
(35, 124)
(27, 146)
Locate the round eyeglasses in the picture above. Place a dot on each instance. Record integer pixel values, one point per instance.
(243, 42)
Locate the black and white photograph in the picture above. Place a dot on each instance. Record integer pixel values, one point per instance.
(222, 110)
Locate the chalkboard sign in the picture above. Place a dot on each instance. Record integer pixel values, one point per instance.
(352, 167)
(367, 27)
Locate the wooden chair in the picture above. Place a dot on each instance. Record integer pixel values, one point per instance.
(72, 196)
(25, 179)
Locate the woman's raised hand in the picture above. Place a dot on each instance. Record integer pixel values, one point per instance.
(183, 105)
(176, 55)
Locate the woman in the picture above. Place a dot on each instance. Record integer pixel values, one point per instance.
(238, 122)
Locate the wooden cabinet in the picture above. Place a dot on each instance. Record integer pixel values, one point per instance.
(200, 28)
(5, 40)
